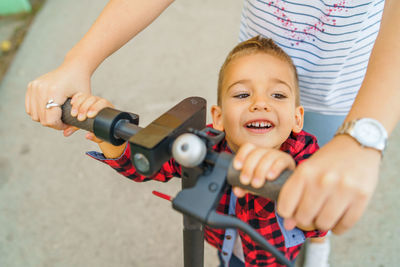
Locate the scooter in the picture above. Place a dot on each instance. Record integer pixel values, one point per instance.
(181, 133)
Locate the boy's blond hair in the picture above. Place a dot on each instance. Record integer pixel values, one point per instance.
(256, 45)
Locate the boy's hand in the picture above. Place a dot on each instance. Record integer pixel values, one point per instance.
(259, 164)
(85, 106)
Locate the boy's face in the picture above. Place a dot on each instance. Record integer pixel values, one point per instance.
(258, 102)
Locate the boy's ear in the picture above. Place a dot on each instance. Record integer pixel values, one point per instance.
(216, 114)
(298, 119)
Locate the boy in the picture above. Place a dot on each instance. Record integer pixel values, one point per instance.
(259, 110)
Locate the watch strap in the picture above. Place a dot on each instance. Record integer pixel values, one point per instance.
(348, 128)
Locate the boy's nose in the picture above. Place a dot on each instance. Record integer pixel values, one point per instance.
(259, 105)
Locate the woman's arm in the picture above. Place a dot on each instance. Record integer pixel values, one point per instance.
(379, 94)
(333, 188)
(120, 21)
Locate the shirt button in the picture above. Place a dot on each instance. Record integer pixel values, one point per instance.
(224, 253)
(228, 237)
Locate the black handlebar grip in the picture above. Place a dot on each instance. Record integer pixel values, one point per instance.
(270, 189)
(73, 121)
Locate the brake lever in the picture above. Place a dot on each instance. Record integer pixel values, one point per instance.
(201, 200)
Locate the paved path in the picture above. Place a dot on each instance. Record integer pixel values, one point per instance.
(60, 208)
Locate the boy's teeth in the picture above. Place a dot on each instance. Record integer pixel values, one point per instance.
(259, 124)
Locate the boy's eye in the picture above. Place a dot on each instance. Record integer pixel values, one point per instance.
(279, 96)
(241, 95)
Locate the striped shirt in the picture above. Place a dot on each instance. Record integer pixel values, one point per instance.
(330, 42)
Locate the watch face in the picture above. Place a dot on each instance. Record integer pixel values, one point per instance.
(368, 133)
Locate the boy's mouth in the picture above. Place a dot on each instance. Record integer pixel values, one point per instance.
(259, 126)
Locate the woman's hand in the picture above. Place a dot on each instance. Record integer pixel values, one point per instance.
(258, 165)
(57, 85)
(332, 189)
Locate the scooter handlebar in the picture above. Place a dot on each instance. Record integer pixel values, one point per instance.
(189, 150)
(67, 118)
(269, 190)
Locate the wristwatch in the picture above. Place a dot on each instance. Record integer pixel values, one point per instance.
(366, 131)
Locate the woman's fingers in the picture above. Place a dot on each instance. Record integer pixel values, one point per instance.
(290, 194)
(332, 189)
(314, 198)
(37, 97)
(351, 215)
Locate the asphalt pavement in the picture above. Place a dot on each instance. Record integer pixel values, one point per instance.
(58, 207)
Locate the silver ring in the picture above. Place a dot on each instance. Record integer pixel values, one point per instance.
(51, 104)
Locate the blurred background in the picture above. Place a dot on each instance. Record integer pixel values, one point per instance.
(58, 207)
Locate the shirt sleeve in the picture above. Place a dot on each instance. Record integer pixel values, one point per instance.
(300, 145)
(296, 236)
(123, 165)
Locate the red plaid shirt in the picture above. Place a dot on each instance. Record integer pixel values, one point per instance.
(257, 211)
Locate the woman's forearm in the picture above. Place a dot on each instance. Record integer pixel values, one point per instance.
(118, 23)
(379, 95)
